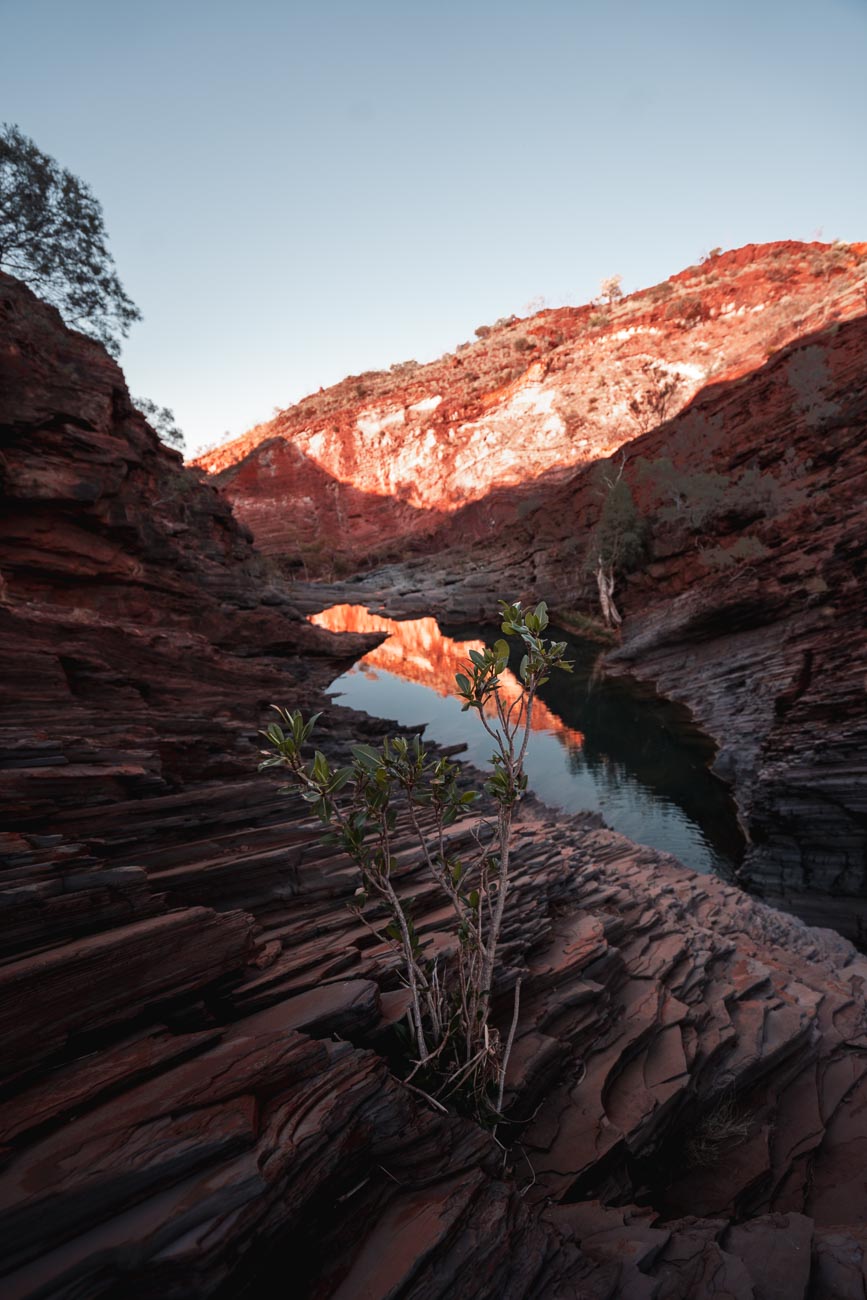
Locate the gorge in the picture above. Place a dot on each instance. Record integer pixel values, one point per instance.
(196, 1087)
(597, 745)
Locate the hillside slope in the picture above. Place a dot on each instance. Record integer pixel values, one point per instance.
(388, 457)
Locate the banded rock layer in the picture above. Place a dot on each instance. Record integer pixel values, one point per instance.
(387, 459)
(195, 1095)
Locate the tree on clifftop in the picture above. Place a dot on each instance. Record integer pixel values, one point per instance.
(610, 289)
(52, 237)
(162, 421)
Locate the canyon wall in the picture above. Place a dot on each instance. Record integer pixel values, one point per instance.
(752, 616)
(195, 1096)
(386, 459)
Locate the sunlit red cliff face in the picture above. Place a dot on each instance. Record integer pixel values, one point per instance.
(386, 457)
(417, 651)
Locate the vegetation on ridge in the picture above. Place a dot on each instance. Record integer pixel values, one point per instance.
(53, 238)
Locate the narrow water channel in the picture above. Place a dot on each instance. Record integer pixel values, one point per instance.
(598, 744)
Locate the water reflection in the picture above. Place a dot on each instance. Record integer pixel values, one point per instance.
(417, 651)
(597, 744)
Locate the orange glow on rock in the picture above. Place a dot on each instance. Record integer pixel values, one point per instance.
(416, 650)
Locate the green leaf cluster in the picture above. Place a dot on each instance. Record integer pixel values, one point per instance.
(456, 1049)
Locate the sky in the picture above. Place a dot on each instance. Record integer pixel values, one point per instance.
(295, 191)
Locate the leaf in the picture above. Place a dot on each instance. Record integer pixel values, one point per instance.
(463, 683)
(367, 757)
(343, 776)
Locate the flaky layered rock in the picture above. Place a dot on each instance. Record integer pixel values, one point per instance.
(196, 1099)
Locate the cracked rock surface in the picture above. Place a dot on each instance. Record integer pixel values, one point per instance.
(196, 1097)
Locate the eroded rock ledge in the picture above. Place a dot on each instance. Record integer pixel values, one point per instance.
(695, 1065)
(195, 1096)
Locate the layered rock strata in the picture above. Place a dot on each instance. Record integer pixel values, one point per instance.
(195, 1095)
(386, 459)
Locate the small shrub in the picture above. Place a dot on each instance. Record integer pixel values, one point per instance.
(653, 405)
(777, 274)
(162, 421)
(686, 311)
(717, 1133)
(454, 1051)
(522, 344)
(482, 331)
(692, 499)
(658, 292)
(610, 289)
(746, 548)
(599, 319)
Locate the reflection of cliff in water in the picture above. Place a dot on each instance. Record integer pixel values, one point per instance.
(630, 734)
(599, 744)
(418, 651)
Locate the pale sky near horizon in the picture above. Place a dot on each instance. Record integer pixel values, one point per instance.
(299, 191)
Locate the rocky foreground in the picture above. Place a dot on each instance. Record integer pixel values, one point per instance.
(196, 1094)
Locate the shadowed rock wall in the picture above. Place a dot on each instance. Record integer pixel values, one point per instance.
(193, 1100)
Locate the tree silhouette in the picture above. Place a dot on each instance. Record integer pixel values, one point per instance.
(162, 421)
(53, 238)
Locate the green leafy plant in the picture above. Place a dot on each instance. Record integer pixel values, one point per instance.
(618, 542)
(455, 1051)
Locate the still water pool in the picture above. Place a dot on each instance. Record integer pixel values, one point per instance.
(598, 743)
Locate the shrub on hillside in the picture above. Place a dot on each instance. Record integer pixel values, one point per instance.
(686, 311)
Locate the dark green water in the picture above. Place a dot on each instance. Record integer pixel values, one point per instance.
(603, 745)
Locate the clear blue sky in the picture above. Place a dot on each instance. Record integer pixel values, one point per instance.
(299, 191)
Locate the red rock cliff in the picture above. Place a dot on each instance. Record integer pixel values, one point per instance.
(391, 455)
(191, 1018)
